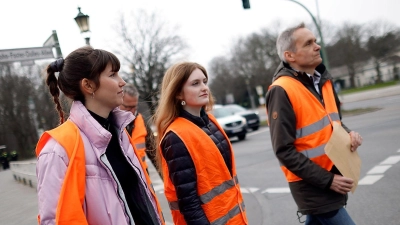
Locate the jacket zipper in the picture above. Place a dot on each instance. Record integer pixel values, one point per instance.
(142, 181)
(117, 187)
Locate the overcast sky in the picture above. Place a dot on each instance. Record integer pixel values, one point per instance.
(209, 26)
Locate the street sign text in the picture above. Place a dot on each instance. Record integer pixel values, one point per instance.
(22, 54)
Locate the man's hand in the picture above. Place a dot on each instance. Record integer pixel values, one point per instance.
(341, 184)
(356, 140)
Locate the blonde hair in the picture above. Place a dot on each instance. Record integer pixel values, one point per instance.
(169, 106)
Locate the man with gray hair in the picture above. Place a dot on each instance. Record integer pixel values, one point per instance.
(137, 128)
(302, 106)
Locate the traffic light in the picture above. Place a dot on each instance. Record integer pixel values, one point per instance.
(246, 4)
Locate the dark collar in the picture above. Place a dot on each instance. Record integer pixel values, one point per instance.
(321, 69)
(284, 69)
(199, 121)
(104, 122)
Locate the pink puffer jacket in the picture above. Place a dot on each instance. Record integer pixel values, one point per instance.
(102, 203)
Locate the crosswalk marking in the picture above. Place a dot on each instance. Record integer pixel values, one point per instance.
(376, 173)
(379, 169)
(248, 190)
(158, 187)
(369, 179)
(244, 190)
(391, 160)
(252, 190)
(276, 190)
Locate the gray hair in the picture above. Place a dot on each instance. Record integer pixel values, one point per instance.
(131, 90)
(286, 42)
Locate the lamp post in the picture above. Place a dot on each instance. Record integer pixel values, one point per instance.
(323, 51)
(83, 22)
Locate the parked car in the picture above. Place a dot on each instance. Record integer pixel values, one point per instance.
(252, 117)
(233, 125)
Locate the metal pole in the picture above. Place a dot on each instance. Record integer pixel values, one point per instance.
(57, 45)
(323, 51)
(319, 19)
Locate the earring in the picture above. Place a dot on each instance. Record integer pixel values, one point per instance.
(92, 94)
(183, 102)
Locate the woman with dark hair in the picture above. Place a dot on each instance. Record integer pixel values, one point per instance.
(196, 156)
(88, 171)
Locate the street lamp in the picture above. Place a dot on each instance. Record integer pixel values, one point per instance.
(323, 51)
(83, 22)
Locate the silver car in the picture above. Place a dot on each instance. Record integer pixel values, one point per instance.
(233, 125)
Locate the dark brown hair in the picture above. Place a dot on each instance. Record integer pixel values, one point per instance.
(84, 62)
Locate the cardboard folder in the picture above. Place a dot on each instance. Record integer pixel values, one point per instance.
(338, 150)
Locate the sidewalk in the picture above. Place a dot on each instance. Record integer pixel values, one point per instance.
(371, 94)
(18, 202)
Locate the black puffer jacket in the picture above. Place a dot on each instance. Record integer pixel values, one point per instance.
(182, 171)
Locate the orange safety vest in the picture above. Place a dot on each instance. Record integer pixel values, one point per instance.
(72, 195)
(313, 121)
(218, 191)
(139, 134)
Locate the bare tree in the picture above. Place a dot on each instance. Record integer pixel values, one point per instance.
(149, 46)
(252, 61)
(383, 41)
(46, 115)
(221, 71)
(347, 49)
(16, 110)
(26, 107)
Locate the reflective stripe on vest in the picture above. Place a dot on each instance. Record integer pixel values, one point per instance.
(220, 196)
(313, 123)
(313, 128)
(138, 135)
(207, 197)
(232, 213)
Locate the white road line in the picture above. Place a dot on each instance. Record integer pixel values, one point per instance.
(391, 160)
(276, 190)
(158, 187)
(379, 169)
(244, 190)
(369, 179)
(252, 190)
(248, 190)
